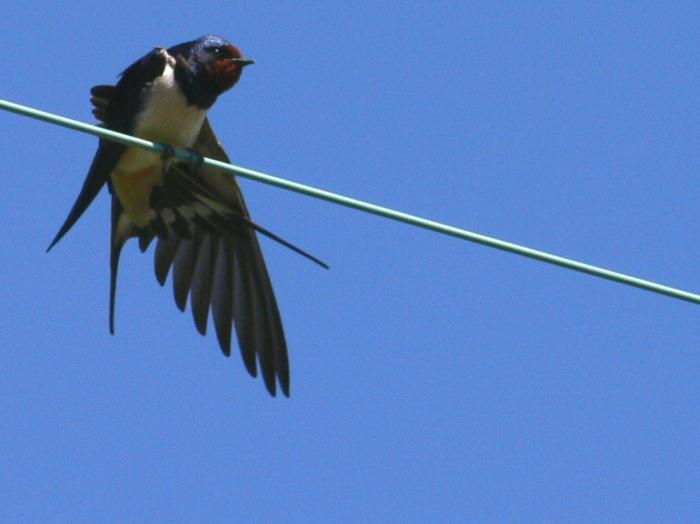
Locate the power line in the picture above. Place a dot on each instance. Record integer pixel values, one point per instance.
(358, 204)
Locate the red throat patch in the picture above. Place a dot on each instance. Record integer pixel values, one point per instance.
(224, 73)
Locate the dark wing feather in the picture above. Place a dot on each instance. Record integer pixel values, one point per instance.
(165, 253)
(221, 267)
(222, 295)
(202, 286)
(115, 106)
(245, 328)
(184, 267)
(107, 156)
(100, 98)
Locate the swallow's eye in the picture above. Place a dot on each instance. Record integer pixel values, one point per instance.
(217, 51)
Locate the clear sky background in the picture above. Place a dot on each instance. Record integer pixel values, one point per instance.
(432, 379)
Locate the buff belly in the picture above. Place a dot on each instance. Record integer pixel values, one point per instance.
(133, 181)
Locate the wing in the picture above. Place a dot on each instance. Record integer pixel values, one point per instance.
(115, 106)
(204, 234)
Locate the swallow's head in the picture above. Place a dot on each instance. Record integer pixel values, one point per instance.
(217, 62)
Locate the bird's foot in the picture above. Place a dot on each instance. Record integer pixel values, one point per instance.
(166, 153)
(196, 159)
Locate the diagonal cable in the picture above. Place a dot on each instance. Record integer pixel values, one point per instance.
(358, 204)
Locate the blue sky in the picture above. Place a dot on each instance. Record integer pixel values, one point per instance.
(431, 378)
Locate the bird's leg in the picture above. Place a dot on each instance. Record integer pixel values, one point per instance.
(166, 153)
(196, 159)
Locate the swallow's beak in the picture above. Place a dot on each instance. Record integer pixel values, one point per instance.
(242, 61)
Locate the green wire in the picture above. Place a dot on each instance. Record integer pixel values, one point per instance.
(360, 205)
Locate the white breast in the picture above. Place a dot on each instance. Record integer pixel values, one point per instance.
(165, 116)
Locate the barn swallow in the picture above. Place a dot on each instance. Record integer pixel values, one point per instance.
(197, 213)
